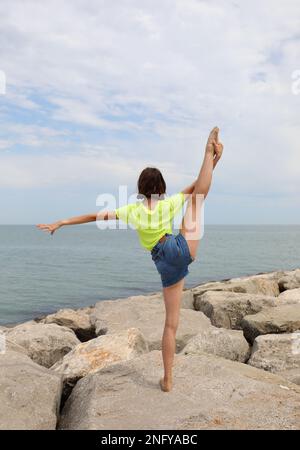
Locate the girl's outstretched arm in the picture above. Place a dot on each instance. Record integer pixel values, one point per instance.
(52, 227)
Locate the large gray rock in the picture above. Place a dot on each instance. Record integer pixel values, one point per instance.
(229, 344)
(77, 320)
(147, 314)
(292, 375)
(187, 300)
(88, 357)
(250, 285)
(209, 393)
(227, 309)
(276, 352)
(29, 394)
(290, 280)
(282, 319)
(45, 344)
(289, 297)
(7, 345)
(269, 275)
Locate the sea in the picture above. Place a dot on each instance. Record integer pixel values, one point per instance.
(81, 265)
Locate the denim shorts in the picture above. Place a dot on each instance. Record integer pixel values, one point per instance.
(172, 258)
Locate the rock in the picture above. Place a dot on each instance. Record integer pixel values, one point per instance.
(229, 344)
(187, 300)
(12, 346)
(251, 285)
(78, 320)
(276, 352)
(292, 375)
(261, 285)
(290, 296)
(282, 319)
(209, 393)
(9, 326)
(88, 357)
(29, 394)
(290, 281)
(226, 309)
(269, 275)
(86, 309)
(112, 316)
(45, 344)
(7, 345)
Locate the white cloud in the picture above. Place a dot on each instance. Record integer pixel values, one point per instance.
(93, 166)
(148, 80)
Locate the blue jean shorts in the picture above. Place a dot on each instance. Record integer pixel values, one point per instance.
(172, 258)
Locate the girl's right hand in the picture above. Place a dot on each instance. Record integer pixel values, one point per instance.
(218, 147)
(50, 228)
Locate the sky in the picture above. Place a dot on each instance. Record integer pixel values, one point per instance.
(97, 90)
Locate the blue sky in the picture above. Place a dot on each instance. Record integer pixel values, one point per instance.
(102, 89)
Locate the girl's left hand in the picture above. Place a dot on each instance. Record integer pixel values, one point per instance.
(50, 228)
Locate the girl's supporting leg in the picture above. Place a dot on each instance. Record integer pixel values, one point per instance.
(191, 223)
(172, 299)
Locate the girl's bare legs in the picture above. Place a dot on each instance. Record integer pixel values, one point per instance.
(191, 229)
(191, 223)
(172, 299)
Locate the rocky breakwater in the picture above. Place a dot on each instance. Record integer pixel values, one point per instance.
(237, 364)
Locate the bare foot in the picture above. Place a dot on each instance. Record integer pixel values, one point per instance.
(212, 138)
(165, 386)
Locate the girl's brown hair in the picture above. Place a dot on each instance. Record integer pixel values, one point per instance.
(151, 182)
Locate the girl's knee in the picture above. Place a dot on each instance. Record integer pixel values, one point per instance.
(171, 327)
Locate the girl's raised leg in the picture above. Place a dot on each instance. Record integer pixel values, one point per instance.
(191, 223)
(172, 299)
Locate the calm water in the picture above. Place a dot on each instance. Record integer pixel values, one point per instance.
(81, 265)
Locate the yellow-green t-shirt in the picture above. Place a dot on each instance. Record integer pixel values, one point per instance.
(151, 224)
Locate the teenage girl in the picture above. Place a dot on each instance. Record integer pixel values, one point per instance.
(152, 218)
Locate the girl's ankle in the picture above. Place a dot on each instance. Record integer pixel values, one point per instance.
(168, 379)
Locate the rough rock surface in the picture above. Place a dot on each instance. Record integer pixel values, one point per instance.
(292, 375)
(187, 301)
(276, 352)
(45, 344)
(29, 394)
(78, 320)
(229, 344)
(282, 319)
(268, 275)
(289, 297)
(209, 393)
(227, 309)
(250, 285)
(290, 281)
(88, 357)
(148, 315)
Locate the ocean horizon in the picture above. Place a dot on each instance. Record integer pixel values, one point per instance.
(79, 266)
